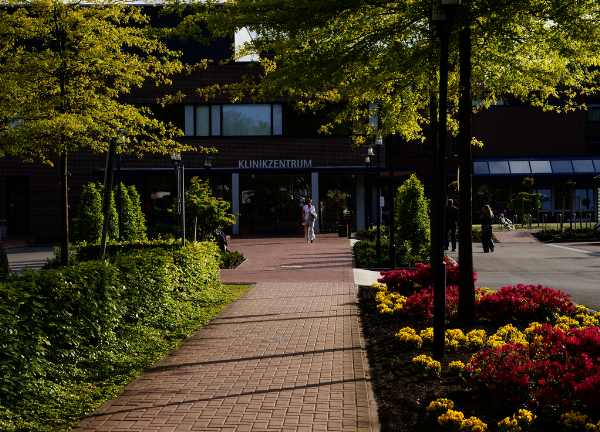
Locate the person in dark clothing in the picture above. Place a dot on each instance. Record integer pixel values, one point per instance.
(487, 221)
(451, 222)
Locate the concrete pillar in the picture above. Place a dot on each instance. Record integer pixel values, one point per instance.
(314, 178)
(235, 200)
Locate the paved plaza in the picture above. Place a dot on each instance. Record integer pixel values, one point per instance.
(286, 356)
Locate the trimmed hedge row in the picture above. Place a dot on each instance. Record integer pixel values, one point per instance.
(54, 321)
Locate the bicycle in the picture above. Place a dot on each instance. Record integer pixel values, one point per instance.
(505, 222)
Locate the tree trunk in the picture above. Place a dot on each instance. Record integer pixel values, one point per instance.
(467, 314)
(64, 207)
(433, 148)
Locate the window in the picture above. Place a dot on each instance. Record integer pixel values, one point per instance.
(519, 167)
(480, 168)
(541, 167)
(546, 198)
(593, 113)
(233, 120)
(561, 166)
(246, 120)
(583, 166)
(499, 167)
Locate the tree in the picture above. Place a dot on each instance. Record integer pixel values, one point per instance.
(359, 51)
(139, 221)
(63, 66)
(411, 218)
(210, 212)
(88, 225)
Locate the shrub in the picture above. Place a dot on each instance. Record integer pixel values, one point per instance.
(88, 225)
(401, 280)
(139, 220)
(365, 254)
(560, 369)
(411, 218)
(69, 318)
(231, 259)
(524, 303)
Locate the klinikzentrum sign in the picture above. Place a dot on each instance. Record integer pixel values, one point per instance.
(275, 163)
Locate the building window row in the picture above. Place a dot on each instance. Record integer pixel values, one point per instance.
(233, 120)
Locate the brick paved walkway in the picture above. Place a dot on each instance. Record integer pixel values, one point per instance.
(284, 357)
(515, 236)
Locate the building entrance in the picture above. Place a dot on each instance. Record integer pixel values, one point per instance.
(272, 202)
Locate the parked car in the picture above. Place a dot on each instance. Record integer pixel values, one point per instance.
(596, 231)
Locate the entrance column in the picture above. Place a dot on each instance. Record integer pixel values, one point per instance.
(314, 178)
(235, 201)
(360, 202)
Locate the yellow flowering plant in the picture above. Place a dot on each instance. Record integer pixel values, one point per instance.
(456, 367)
(439, 407)
(451, 420)
(473, 424)
(573, 420)
(508, 425)
(408, 338)
(476, 339)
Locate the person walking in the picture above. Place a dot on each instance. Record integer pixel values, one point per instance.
(487, 219)
(451, 222)
(309, 215)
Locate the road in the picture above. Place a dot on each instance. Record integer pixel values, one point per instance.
(566, 267)
(32, 256)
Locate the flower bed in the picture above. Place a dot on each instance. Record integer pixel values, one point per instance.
(502, 375)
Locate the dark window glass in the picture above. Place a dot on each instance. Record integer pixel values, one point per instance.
(499, 167)
(561, 166)
(583, 166)
(481, 168)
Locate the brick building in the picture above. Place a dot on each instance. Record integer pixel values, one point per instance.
(270, 158)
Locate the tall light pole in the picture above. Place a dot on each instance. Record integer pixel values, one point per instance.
(371, 155)
(378, 145)
(179, 184)
(367, 187)
(391, 204)
(121, 143)
(442, 16)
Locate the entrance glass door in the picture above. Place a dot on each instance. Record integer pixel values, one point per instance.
(272, 202)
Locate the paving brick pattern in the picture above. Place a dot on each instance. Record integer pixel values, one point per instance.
(515, 236)
(285, 357)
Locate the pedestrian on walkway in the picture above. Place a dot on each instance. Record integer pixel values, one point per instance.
(309, 216)
(487, 219)
(451, 222)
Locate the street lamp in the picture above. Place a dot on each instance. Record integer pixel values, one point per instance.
(371, 155)
(378, 145)
(179, 181)
(368, 189)
(121, 141)
(442, 16)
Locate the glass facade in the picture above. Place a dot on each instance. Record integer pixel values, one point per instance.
(337, 201)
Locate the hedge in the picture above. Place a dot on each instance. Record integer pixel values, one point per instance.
(59, 325)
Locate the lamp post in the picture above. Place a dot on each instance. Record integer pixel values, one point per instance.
(371, 155)
(121, 144)
(367, 187)
(442, 16)
(179, 182)
(391, 204)
(378, 145)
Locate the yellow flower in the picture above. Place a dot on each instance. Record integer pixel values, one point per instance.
(456, 367)
(439, 406)
(427, 334)
(452, 420)
(476, 339)
(433, 367)
(573, 420)
(473, 424)
(508, 425)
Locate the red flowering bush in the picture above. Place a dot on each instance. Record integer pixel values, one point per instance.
(402, 280)
(524, 303)
(558, 368)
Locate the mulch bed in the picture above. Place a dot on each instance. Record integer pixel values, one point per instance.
(403, 395)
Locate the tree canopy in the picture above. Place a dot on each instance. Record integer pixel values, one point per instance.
(63, 67)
